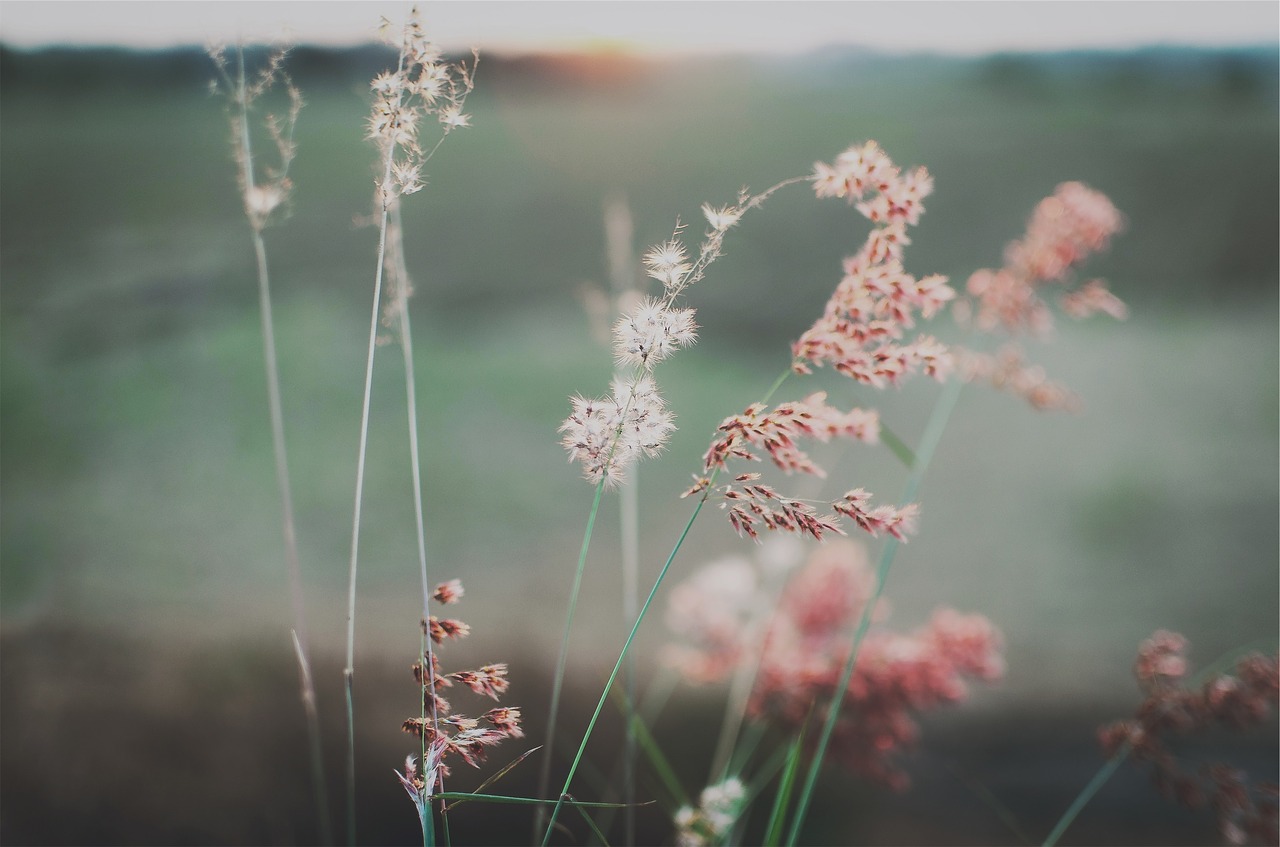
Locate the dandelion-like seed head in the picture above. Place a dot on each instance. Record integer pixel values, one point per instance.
(651, 333)
(722, 218)
(668, 263)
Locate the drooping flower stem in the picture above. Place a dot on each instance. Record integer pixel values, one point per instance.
(928, 444)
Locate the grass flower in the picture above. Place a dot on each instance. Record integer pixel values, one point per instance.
(1064, 230)
(800, 651)
(1245, 697)
(863, 334)
(444, 734)
(719, 807)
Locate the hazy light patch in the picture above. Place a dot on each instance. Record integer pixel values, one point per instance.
(650, 26)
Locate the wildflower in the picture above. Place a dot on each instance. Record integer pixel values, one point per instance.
(442, 732)
(1007, 371)
(408, 176)
(420, 87)
(651, 333)
(451, 116)
(668, 263)
(607, 434)
(490, 680)
(440, 629)
(1240, 699)
(719, 808)
(1064, 229)
(721, 218)
(448, 592)
(801, 649)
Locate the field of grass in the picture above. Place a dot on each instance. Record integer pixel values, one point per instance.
(145, 611)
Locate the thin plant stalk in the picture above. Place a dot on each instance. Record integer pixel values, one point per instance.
(618, 242)
(629, 506)
(349, 672)
(406, 345)
(577, 759)
(274, 405)
(928, 444)
(544, 775)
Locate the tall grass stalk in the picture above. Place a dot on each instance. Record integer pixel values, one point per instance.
(557, 685)
(924, 454)
(618, 234)
(613, 675)
(348, 673)
(400, 275)
(618, 247)
(257, 213)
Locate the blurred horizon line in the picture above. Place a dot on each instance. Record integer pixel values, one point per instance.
(659, 29)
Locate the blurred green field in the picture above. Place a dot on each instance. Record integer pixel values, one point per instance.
(139, 506)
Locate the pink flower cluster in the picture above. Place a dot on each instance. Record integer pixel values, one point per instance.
(803, 650)
(751, 503)
(1065, 229)
(862, 330)
(863, 334)
(1009, 371)
(1243, 698)
(444, 733)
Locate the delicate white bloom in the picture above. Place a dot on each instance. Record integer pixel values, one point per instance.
(387, 83)
(408, 176)
(651, 333)
(432, 82)
(720, 806)
(451, 116)
(261, 200)
(607, 434)
(723, 218)
(667, 263)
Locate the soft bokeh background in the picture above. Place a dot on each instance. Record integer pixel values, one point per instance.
(148, 687)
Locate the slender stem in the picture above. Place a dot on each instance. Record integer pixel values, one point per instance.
(929, 442)
(629, 505)
(313, 734)
(410, 390)
(544, 776)
(1095, 784)
(349, 671)
(274, 405)
(577, 759)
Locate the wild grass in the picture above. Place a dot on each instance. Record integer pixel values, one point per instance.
(479, 387)
(868, 333)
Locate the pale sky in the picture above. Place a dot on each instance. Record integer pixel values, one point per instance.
(680, 26)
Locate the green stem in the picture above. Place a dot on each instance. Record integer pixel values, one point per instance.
(557, 686)
(1095, 784)
(591, 725)
(349, 672)
(929, 442)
